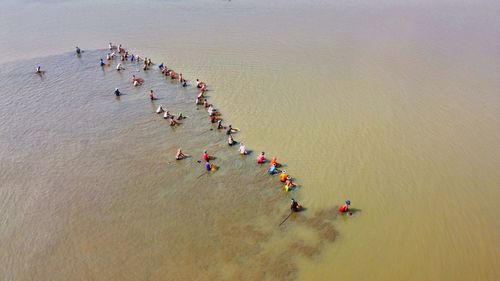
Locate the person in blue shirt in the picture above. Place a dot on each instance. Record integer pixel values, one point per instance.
(272, 169)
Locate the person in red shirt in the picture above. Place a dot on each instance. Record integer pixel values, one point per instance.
(345, 208)
(261, 158)
(205, 156)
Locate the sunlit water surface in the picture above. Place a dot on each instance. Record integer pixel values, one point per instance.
(395, 106)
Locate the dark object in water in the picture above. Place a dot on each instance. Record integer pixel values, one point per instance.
(286, 218)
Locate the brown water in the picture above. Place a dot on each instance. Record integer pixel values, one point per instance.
(394, 106)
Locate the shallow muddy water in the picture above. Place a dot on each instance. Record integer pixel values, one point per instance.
(90, 187)
(392, 105)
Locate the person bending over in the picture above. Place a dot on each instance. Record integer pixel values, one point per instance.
(295, 206)
(179, 155)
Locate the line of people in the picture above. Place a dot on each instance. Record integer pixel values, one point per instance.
(214, 116)
(167, 115)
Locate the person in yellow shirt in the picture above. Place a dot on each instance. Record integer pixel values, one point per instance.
(283, 176)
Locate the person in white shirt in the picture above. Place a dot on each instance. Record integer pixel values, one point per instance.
(243, 150)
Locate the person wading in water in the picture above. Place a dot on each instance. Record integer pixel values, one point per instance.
(295, 206)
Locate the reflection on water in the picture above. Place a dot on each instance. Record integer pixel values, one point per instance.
(392, 105)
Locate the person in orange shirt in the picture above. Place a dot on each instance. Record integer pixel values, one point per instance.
(273, 162)
(283, 176)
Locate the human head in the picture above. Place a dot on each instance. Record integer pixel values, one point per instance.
(348, 202)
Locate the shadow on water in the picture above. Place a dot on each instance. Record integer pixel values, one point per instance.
(99, 177)
(355, 210)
